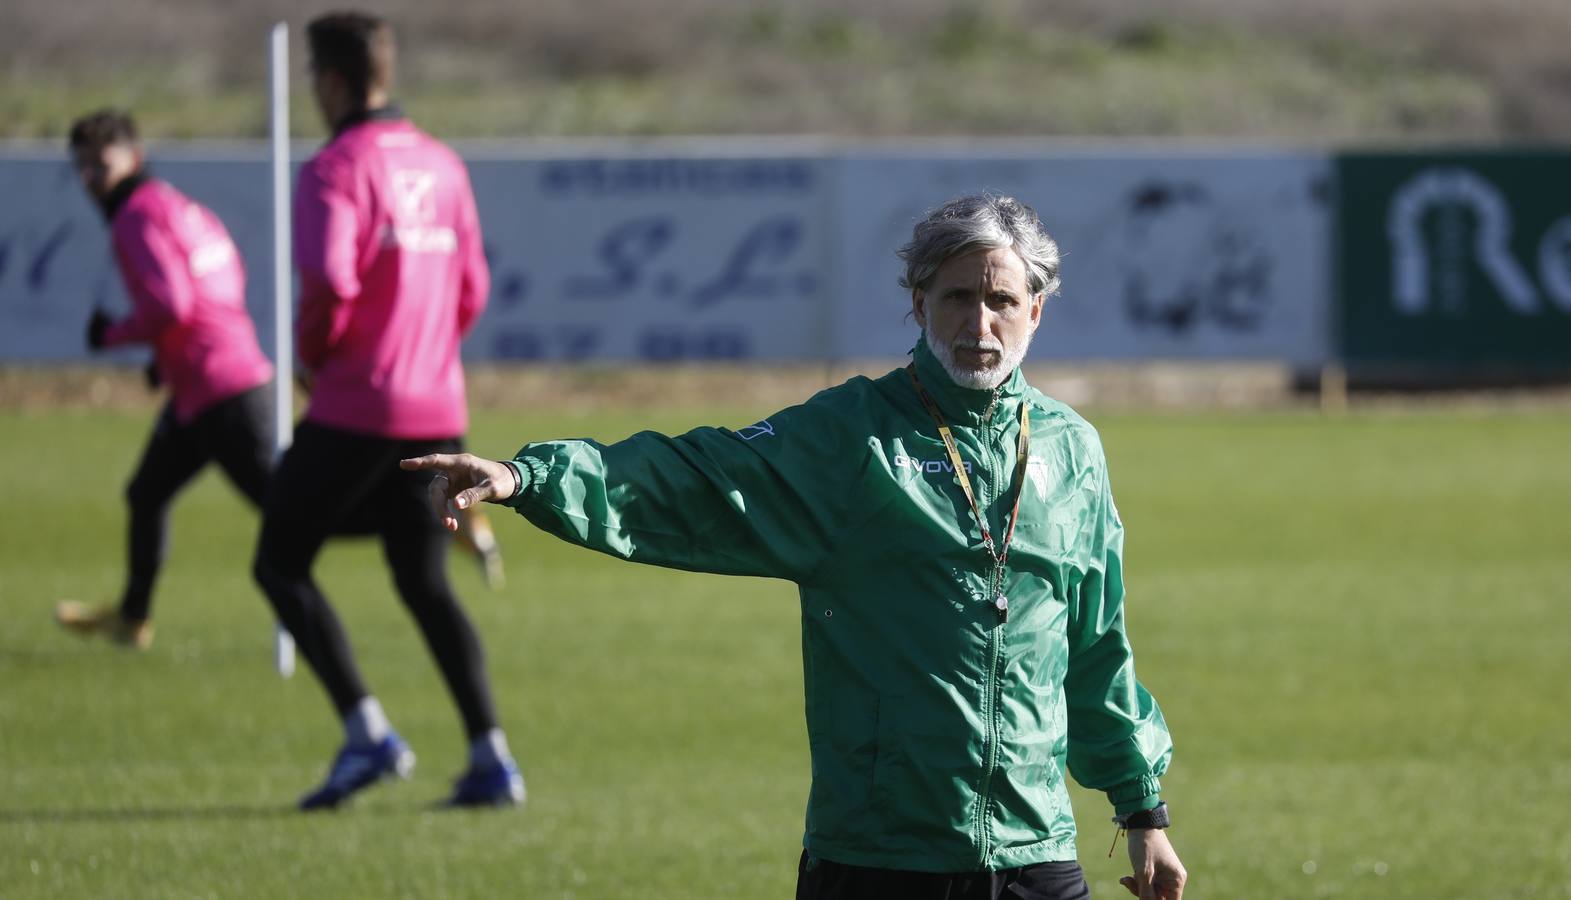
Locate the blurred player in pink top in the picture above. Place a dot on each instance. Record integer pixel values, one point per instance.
(392, 276)
(187, 288)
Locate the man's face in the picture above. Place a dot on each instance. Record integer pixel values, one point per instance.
(979, 315)
(101, 169)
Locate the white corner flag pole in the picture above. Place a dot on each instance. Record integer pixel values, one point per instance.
(283, 294)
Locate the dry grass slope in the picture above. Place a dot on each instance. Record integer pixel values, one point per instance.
(1324, 70)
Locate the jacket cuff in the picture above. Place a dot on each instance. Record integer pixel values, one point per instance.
(1133, 796)
(530, 472)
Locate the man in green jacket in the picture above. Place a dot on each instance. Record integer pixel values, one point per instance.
(959, 557)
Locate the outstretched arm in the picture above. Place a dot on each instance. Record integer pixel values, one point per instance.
(775, 499)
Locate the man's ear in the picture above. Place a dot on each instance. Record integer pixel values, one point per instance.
(1037, 303)
(919, 306)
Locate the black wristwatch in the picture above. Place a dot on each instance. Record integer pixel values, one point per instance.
(1155, 817)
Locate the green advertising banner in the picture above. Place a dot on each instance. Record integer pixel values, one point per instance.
(1456, 260)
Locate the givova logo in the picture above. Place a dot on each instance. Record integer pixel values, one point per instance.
(1472, 228)
(929, 466)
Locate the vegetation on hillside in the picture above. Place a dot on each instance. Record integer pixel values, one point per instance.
(1315, 71)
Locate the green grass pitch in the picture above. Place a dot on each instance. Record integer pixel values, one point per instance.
(1358, 628)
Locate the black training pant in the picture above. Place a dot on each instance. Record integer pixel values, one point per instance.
(338, 482)
(237, 433)
(820, 879)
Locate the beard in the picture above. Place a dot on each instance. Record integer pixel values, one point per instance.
(982, 377)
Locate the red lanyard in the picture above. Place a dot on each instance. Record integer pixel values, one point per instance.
(1000, 554)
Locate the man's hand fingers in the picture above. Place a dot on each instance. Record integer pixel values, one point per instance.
(436, 491)
(451, 468)
(1170, 887)
(429, 461)
(1129, 883)
(471, 496)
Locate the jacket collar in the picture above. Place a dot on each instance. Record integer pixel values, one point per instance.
(966, 406)
(122, 193)
(392, 112)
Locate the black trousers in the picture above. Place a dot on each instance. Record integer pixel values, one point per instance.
(821, 879)
(237, 433)
(338, 482)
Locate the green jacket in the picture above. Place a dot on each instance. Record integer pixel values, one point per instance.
(939, 732)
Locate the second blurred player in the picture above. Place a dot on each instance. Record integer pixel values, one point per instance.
(187, 287)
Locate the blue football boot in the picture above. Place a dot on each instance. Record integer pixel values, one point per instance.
(357, 768)
(495, 784)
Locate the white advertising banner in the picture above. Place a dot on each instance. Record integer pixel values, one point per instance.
(656, 259)
(631, 256)
(1163, 256)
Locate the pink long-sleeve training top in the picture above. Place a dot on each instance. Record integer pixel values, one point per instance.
(392, 276)
(187, 287)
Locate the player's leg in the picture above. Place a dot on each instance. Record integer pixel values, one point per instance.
(172, 457)
(322, 478)
(317, 481)
(238, 434)
(416, 548)
(476, 536)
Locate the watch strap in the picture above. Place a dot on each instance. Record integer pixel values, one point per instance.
(1155, 817)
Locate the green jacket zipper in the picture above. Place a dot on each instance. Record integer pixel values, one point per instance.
(984, 831)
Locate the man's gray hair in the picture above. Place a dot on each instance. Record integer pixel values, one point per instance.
(981, 222)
